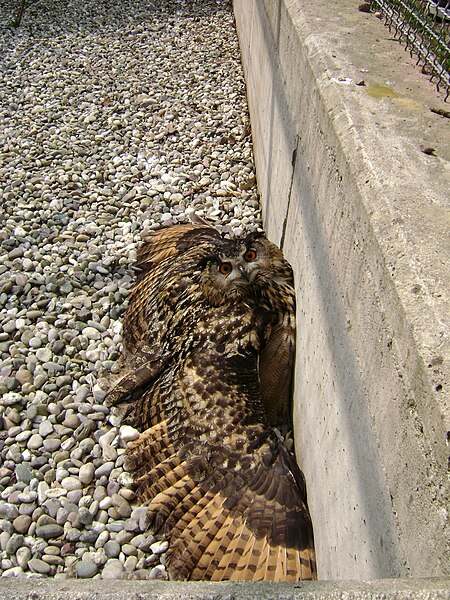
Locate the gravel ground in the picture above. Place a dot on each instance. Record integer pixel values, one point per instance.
(114, 117)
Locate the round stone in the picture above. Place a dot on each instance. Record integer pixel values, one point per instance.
(22, 523)
(8, 511)
(158, 572)
(159, 547)
(86, 569)
(44, 354)
(72, 421)
(39, 566)
(112, 549)
(14, 543)
(45, 428)
(122, 506)
(128, 433)
(86, 473)
(35, 442)
(113, 569)
(52, 444)
(71, 483)
(23, 555)
(104, 469)
(24, 473)
(91, 333)
(85, 517)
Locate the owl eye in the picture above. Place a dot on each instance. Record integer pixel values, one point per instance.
(250, 255)
(225, 268)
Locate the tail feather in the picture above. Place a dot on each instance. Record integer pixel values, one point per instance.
(184, 511)
(188, 551)
(228, 563)
(149, 487)
(218, 546)
(131, 380)
(147, 449)
(166, 500)
(242, 571)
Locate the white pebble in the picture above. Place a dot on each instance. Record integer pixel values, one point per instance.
(128, 433)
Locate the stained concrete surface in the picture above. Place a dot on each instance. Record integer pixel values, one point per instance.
(343, 123)
(75, 589)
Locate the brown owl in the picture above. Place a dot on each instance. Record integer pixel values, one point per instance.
(208, 347)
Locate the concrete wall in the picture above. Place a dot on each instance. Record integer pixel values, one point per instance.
(343, 132)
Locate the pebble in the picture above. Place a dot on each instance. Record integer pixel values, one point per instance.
(113, 569)
(86, 569)
(128, 433)
(35, 442)
(23, 555)
(8, 511)
(71, 483)
(39, 566)
(112, 549)
(88, 171)
(22, 523)
(86, 473)
(14, 543)
(50, 531)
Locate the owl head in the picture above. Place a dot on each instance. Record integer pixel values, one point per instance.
(239, 268)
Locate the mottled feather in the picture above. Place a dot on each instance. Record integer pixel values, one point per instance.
(208, 351)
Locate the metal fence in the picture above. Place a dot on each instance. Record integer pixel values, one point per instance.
(424, 26)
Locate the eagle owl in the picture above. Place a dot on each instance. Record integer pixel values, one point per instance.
(208, 350)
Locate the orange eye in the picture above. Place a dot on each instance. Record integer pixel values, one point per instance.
(250, 255)
(225, 268)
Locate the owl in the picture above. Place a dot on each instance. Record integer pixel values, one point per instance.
(259, 275)
(208, 351)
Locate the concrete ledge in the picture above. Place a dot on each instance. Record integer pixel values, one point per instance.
(352, 167)
(70, 589)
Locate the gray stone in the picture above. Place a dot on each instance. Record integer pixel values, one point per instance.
(5, 537)
(52, 444)
(86, 569)
(45, 428)
(104, 469)
(8, 511)
(39, 566)
(23, 555)
(113, 569)
(51, 531)
(159, 547)
(35, 442)
(14, 543)
(86, 473)
(71, 483)
(85, 517)
(44, 354)
(112, 549)
(122, 506)
(24, 473)
(128, 433)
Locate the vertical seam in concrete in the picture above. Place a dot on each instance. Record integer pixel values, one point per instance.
(286, 216)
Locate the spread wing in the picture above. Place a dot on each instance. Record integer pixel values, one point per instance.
(167, 260)
(228, 513)
(216, 479)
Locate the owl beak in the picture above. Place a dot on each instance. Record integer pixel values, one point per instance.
(245, 274)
